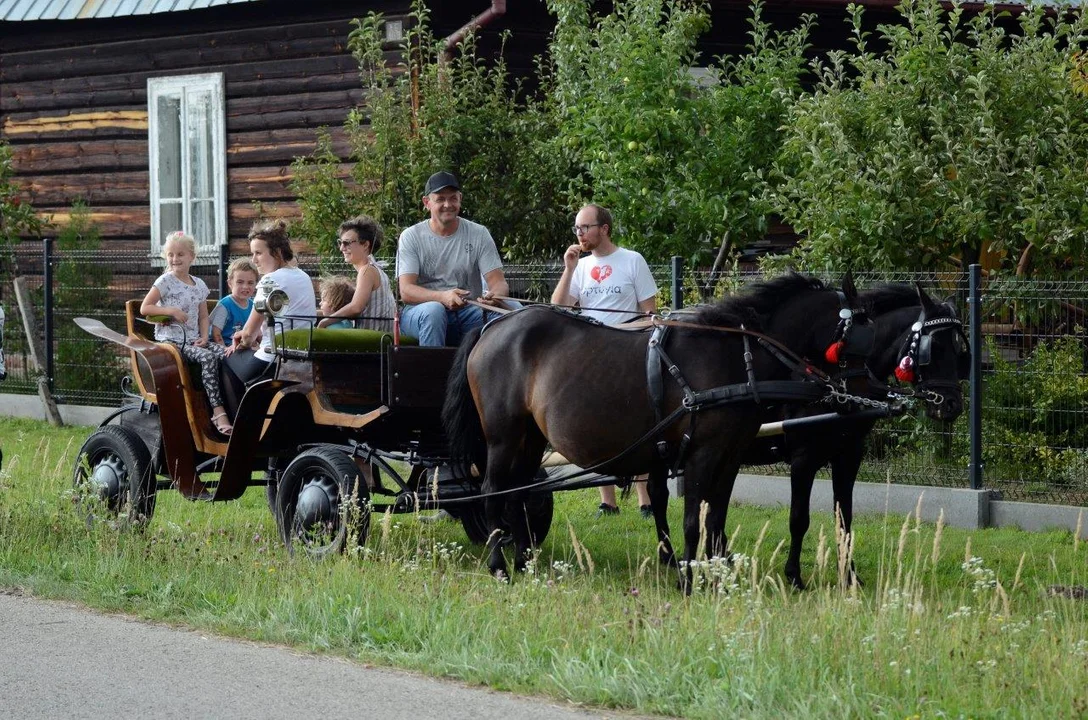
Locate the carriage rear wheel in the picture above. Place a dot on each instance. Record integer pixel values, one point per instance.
(113, 475)
(539, 508)
(322, 503)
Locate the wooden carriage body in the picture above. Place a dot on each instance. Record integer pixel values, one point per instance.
(329, 387)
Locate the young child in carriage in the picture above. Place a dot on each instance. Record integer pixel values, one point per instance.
(231, 313)
(181, 297)
(335, 293)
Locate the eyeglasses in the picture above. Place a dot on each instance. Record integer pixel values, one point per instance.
(583, 229)
(345, 243)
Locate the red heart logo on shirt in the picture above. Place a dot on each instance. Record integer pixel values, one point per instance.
(600, 272)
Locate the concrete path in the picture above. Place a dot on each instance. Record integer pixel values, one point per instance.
(63, 661)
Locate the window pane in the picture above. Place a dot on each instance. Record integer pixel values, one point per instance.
(203, 222)
(169, 219)
(199, 129)
(169, 150)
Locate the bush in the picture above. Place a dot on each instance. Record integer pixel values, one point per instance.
(470, 119)
(1033, 426)
(963, 141)
(679, 160)
(80, 286)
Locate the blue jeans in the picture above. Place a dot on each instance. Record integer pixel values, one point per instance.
(433, 325)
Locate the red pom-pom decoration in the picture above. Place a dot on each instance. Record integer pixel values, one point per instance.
(833, 351)
(905, 371)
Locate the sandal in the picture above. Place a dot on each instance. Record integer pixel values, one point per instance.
(222, 424)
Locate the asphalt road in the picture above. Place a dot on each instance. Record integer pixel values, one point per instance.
(63, 661)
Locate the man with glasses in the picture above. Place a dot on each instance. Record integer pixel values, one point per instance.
(442, 262)
(610, 284)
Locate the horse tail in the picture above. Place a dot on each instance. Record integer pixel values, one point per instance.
(459, 415)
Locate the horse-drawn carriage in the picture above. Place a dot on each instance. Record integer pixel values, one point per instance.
(348, 425)
(351, 421)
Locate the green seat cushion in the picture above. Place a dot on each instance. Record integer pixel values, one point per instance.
(334, 340)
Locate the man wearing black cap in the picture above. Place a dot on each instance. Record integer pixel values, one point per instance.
(443, 261)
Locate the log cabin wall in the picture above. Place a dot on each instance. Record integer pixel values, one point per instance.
(73, 103)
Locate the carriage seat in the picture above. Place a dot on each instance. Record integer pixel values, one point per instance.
(136, 325)
(338, 340)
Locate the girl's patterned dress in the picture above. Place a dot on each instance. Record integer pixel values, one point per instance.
(175, 293)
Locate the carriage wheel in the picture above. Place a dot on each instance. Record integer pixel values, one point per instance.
(539, 508)
(113, 471)
(322, 501)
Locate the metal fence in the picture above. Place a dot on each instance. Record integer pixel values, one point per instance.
(1034, 380)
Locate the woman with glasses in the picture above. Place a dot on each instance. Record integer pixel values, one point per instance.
(372, 305)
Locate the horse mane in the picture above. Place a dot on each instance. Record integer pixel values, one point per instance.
(888, 297)
(758, 302)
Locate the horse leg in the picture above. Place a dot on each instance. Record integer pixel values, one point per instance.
(802, 475)
(501, 459)
(524, 473)
(658, 487)
(844, 473)
(717, 497)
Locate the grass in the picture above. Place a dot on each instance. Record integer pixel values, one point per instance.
(948, 623)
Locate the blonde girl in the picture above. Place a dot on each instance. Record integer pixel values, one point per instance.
(360, 238)
(181, 297)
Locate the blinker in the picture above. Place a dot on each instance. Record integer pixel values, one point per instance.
(925, 349)
(860, 340)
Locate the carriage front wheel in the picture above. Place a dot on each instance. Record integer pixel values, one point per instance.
(322, 503)
(113, 475)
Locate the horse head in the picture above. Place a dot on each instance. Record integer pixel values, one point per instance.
(934, 357)
(830, 328)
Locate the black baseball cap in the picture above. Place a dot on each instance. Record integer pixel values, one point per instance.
(441, 180)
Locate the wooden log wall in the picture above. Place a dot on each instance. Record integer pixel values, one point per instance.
(73, 103)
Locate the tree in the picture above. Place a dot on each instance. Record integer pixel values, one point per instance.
(17, 217)
(962, 141)
(680, 159)
(429, 114)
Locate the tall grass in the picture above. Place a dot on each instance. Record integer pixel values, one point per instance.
(947, 623)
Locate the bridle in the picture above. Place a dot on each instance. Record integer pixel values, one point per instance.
(854, 337)
(916, 354)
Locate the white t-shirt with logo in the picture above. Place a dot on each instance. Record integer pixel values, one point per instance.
(617, 281)
(301, 301)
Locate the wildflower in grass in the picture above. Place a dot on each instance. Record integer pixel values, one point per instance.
(963, 611)
(722, 576)
(984, 578)
(561, 569)
(1080, 648)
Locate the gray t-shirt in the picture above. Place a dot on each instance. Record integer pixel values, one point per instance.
(443, 263)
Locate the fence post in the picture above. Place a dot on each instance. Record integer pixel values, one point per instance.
(224, 256)
(677, 282)
(974, 305)
(47, 327)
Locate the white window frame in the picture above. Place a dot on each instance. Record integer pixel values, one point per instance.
(181, 86)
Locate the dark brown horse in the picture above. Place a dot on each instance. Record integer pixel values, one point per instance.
(542, 376)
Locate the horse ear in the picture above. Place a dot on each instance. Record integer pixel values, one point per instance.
(848, 286)
(924, 299)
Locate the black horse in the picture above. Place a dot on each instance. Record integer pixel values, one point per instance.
(923, 344)
(599, 397)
